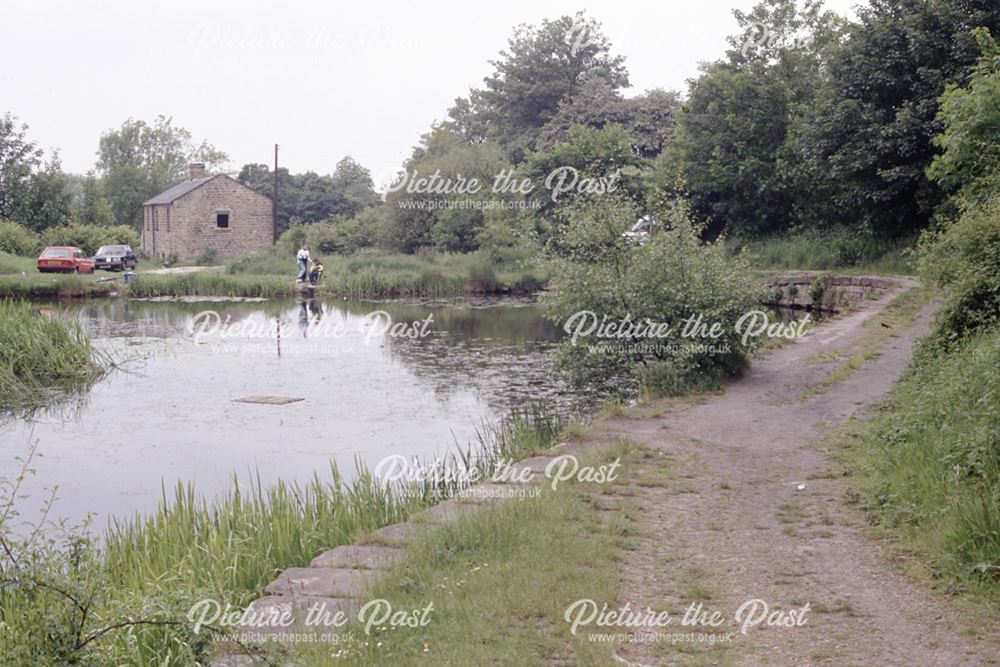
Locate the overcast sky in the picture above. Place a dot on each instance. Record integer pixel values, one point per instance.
(324, 79)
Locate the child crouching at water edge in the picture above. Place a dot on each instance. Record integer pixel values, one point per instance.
(315, 271)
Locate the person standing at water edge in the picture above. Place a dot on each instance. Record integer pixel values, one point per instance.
(303, 259)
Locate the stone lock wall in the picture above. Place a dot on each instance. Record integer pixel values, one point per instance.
(835, 293)
(187, 227)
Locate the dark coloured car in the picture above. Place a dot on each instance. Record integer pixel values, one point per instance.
(64, 259)
(115, 258)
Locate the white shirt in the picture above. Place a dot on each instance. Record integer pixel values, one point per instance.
(303, 255)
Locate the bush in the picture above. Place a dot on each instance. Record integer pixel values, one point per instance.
(91, 237)
(963, 259)
(207, 257)
(482, 277)
(18, 240)
(672, 277)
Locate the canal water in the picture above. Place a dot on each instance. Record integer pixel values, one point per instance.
(374, 379)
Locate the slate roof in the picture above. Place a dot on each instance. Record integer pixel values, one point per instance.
(178, 191)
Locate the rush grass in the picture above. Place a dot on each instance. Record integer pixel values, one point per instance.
(39, 354)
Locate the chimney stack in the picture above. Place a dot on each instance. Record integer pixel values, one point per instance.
(197, 170)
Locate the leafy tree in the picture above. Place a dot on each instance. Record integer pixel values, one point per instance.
(733, 133)
(355, 182)
(449, 217)
(673, 277)
(969, 164)
(649, 119)
(19, 158)
(872, 133)
(310, 197)
(49, 199)
(138, 161)
(597, 103)
(542, 66)
(93, 207)
(33, 193)
(594, 162)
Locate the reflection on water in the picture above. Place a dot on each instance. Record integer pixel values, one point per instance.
(170, 413)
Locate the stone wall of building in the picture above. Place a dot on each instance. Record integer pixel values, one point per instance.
(190, 225)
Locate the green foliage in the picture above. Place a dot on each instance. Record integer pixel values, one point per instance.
(970, 157)
(817, 289)
(91, 237)
(735, 139)
(18, 240)
(649, 119)
(138, 161)
(39, 352)
(834, 248)
(542, 66)
(600, 162)
(19, 158)
(310, 197)
(94, 207)
(449, 218)
(207, 257)
(668, 279)
(869, 142)
(932, 461)
(963, 259)
(32, 193)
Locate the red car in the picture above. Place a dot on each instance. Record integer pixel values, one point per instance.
(64, 259)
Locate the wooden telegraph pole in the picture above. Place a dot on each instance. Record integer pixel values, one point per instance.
(274, 200)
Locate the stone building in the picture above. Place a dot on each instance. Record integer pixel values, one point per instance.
(206, 213)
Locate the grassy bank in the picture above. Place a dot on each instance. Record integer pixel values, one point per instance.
(364, 275)
(40, 354)
(829, 250)
(372, 275)
(501, 581)
(929, 464)
(61, 589)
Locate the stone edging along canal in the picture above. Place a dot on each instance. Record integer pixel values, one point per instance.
(337, 580)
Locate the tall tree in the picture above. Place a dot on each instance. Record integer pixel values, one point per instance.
(542, 66)
(33, 193)
(872, 133)
(969, 164)
(733, 130)
(19, 158)
(355, 182)
(93, 207)
(137, 161)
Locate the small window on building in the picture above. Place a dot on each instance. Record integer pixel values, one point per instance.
(222, 220)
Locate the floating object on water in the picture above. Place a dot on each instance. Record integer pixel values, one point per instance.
(268, 400)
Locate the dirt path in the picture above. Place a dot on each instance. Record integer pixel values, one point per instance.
(755, 509)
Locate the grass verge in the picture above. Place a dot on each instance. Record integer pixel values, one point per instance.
(500, 583)
(928, 465)
(841, 250)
